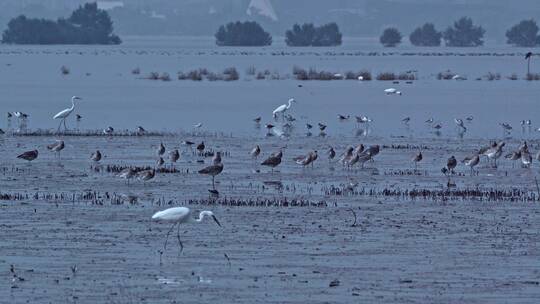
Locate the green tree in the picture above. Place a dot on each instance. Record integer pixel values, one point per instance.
(87, 25)
(238, 33)
(390, 37)
(309, 35)
(464, 34)
(426, 35)
(523, 34)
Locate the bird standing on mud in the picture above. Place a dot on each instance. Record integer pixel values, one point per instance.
(273, 160)
(212, 170)
(29, 155)
(96, 156)
(56, 147)
(180, 215)
(417, 158)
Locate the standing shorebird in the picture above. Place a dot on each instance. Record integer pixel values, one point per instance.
(495, 152)
(343, 117)
(200, 148)
(513, 156)
(62, 115)
(180, 215)
(160, 149)
(56, 147)
(140, 130)
(273, 160)
(255, 152)
(331, 153)
(108, 131)
(417, 158)
(472, 161)
(29, 155)
(322, 126)
(174, 156)
(526, 158)
(127, 174)
(147, 175)
(451, 164)
(96, 156)
(459, 122)
(346, 156)
(212, 170)
(160, 162)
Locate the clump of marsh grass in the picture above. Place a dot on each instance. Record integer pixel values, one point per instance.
(532, 76)
(386, 76)
(165, 77)
(153, 76)
(231, 74)
(492, 76)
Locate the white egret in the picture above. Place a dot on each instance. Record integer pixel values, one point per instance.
(282, 109)
(65, 113)
(180, 215)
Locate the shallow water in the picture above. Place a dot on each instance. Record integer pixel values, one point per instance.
(31, 82)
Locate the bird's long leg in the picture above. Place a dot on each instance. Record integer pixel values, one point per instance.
(59, 126)
(65, 128)
(167, 237)
(179, 241)
(213, 184)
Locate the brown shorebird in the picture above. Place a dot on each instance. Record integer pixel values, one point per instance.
(29, 155)
(140, 130)
(304, 160)
(255, 152)
(212, 170)
(96, 156)
(471, 161)
(359, 149)
(526, 158)
(495, 152)
(273, 160)
(160, 161)
(344, 160)
(161, 149)
(516, 155)
(56, 147)
(127, 174)
(147, 175)
(217, 158)
(331, 153)
(174, 156)
(451, 164)
(417, 158)
(200, 147)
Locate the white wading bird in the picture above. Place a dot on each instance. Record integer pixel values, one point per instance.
(180, 215)
(282, 109)
(65, 113)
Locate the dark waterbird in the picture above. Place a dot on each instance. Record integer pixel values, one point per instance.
(212, 170)
(29, 155)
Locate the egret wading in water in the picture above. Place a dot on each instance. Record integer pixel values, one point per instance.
(65, 113)
(282, 109)
(180, 215)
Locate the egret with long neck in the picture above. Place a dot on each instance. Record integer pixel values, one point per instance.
(180, 215)
(65, 113)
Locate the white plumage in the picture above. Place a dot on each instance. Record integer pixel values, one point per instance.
(66, 112)
(283, 108)
(180, 215)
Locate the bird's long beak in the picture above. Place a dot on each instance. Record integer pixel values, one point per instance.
(216, 220)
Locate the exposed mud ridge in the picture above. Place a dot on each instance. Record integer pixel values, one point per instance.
(119, 168)
(259, 202)
(406, 147)
(119, 133)
(489, 195)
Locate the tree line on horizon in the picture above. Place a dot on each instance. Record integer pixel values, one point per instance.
(463, 33)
